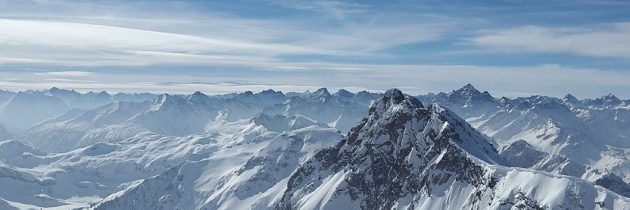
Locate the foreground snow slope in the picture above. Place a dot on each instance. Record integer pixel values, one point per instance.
(227, 151)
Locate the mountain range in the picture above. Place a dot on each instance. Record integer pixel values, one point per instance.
(465, 149)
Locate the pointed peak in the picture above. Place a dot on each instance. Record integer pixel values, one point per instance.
(165, 98)
(270, 92)
(54, 90)
(197, 98)
(467, 91)
(344, 93)
(248, 93)
(198, 93)
(321, 91)
(570, 98)
(610, 96)
(162, 96)
(29, 92)
(321, 94)
(395, 98)
(363, 93)
(103, 93)
(468, 88)
(394, 95)
(487, 94)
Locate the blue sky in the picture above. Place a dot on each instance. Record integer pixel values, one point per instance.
(509, 48)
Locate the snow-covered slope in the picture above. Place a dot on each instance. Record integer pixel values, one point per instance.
(236, 151)
(468, 101)
(339, 111)
(4, 96)
(521, 154)
(273, 150)
(175, 115)
(241, 174)
(573, 135)
(78, 128)
(5, 134)
(23, 109)
(27, 108)
(91, 100)
(407, 156)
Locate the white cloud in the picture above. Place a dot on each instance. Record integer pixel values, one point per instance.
(336, 9)
(77, 36)
(90, 36)
(602, 40)
(73, 74)
(82, 44)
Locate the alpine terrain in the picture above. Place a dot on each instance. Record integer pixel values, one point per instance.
(61, 149)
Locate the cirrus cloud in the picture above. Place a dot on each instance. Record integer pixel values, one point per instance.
(611, 40)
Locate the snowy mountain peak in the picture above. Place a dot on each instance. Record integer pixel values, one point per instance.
(394, 94)
(271, 92)
(161, 99)
(56, 91)
(401, 149)
(470, 95)
(198, 93)
(168, 101)
(321, 95)
(611, 98)
(395, 100)
(467, 100)
(344, 93)
(25, 108)
(570, 98)
(504, 100)
(396, 110)
(363, 93)
(572, 101)
(103, 93)
(248, 93)
(197, 97)
(609, 101)
(322, 92)
(468, 89)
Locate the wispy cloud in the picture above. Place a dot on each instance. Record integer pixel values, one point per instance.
(610, 40)
(226, 46)
(88, 37)
(80, 44)
(82, 74)
(336, 9)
